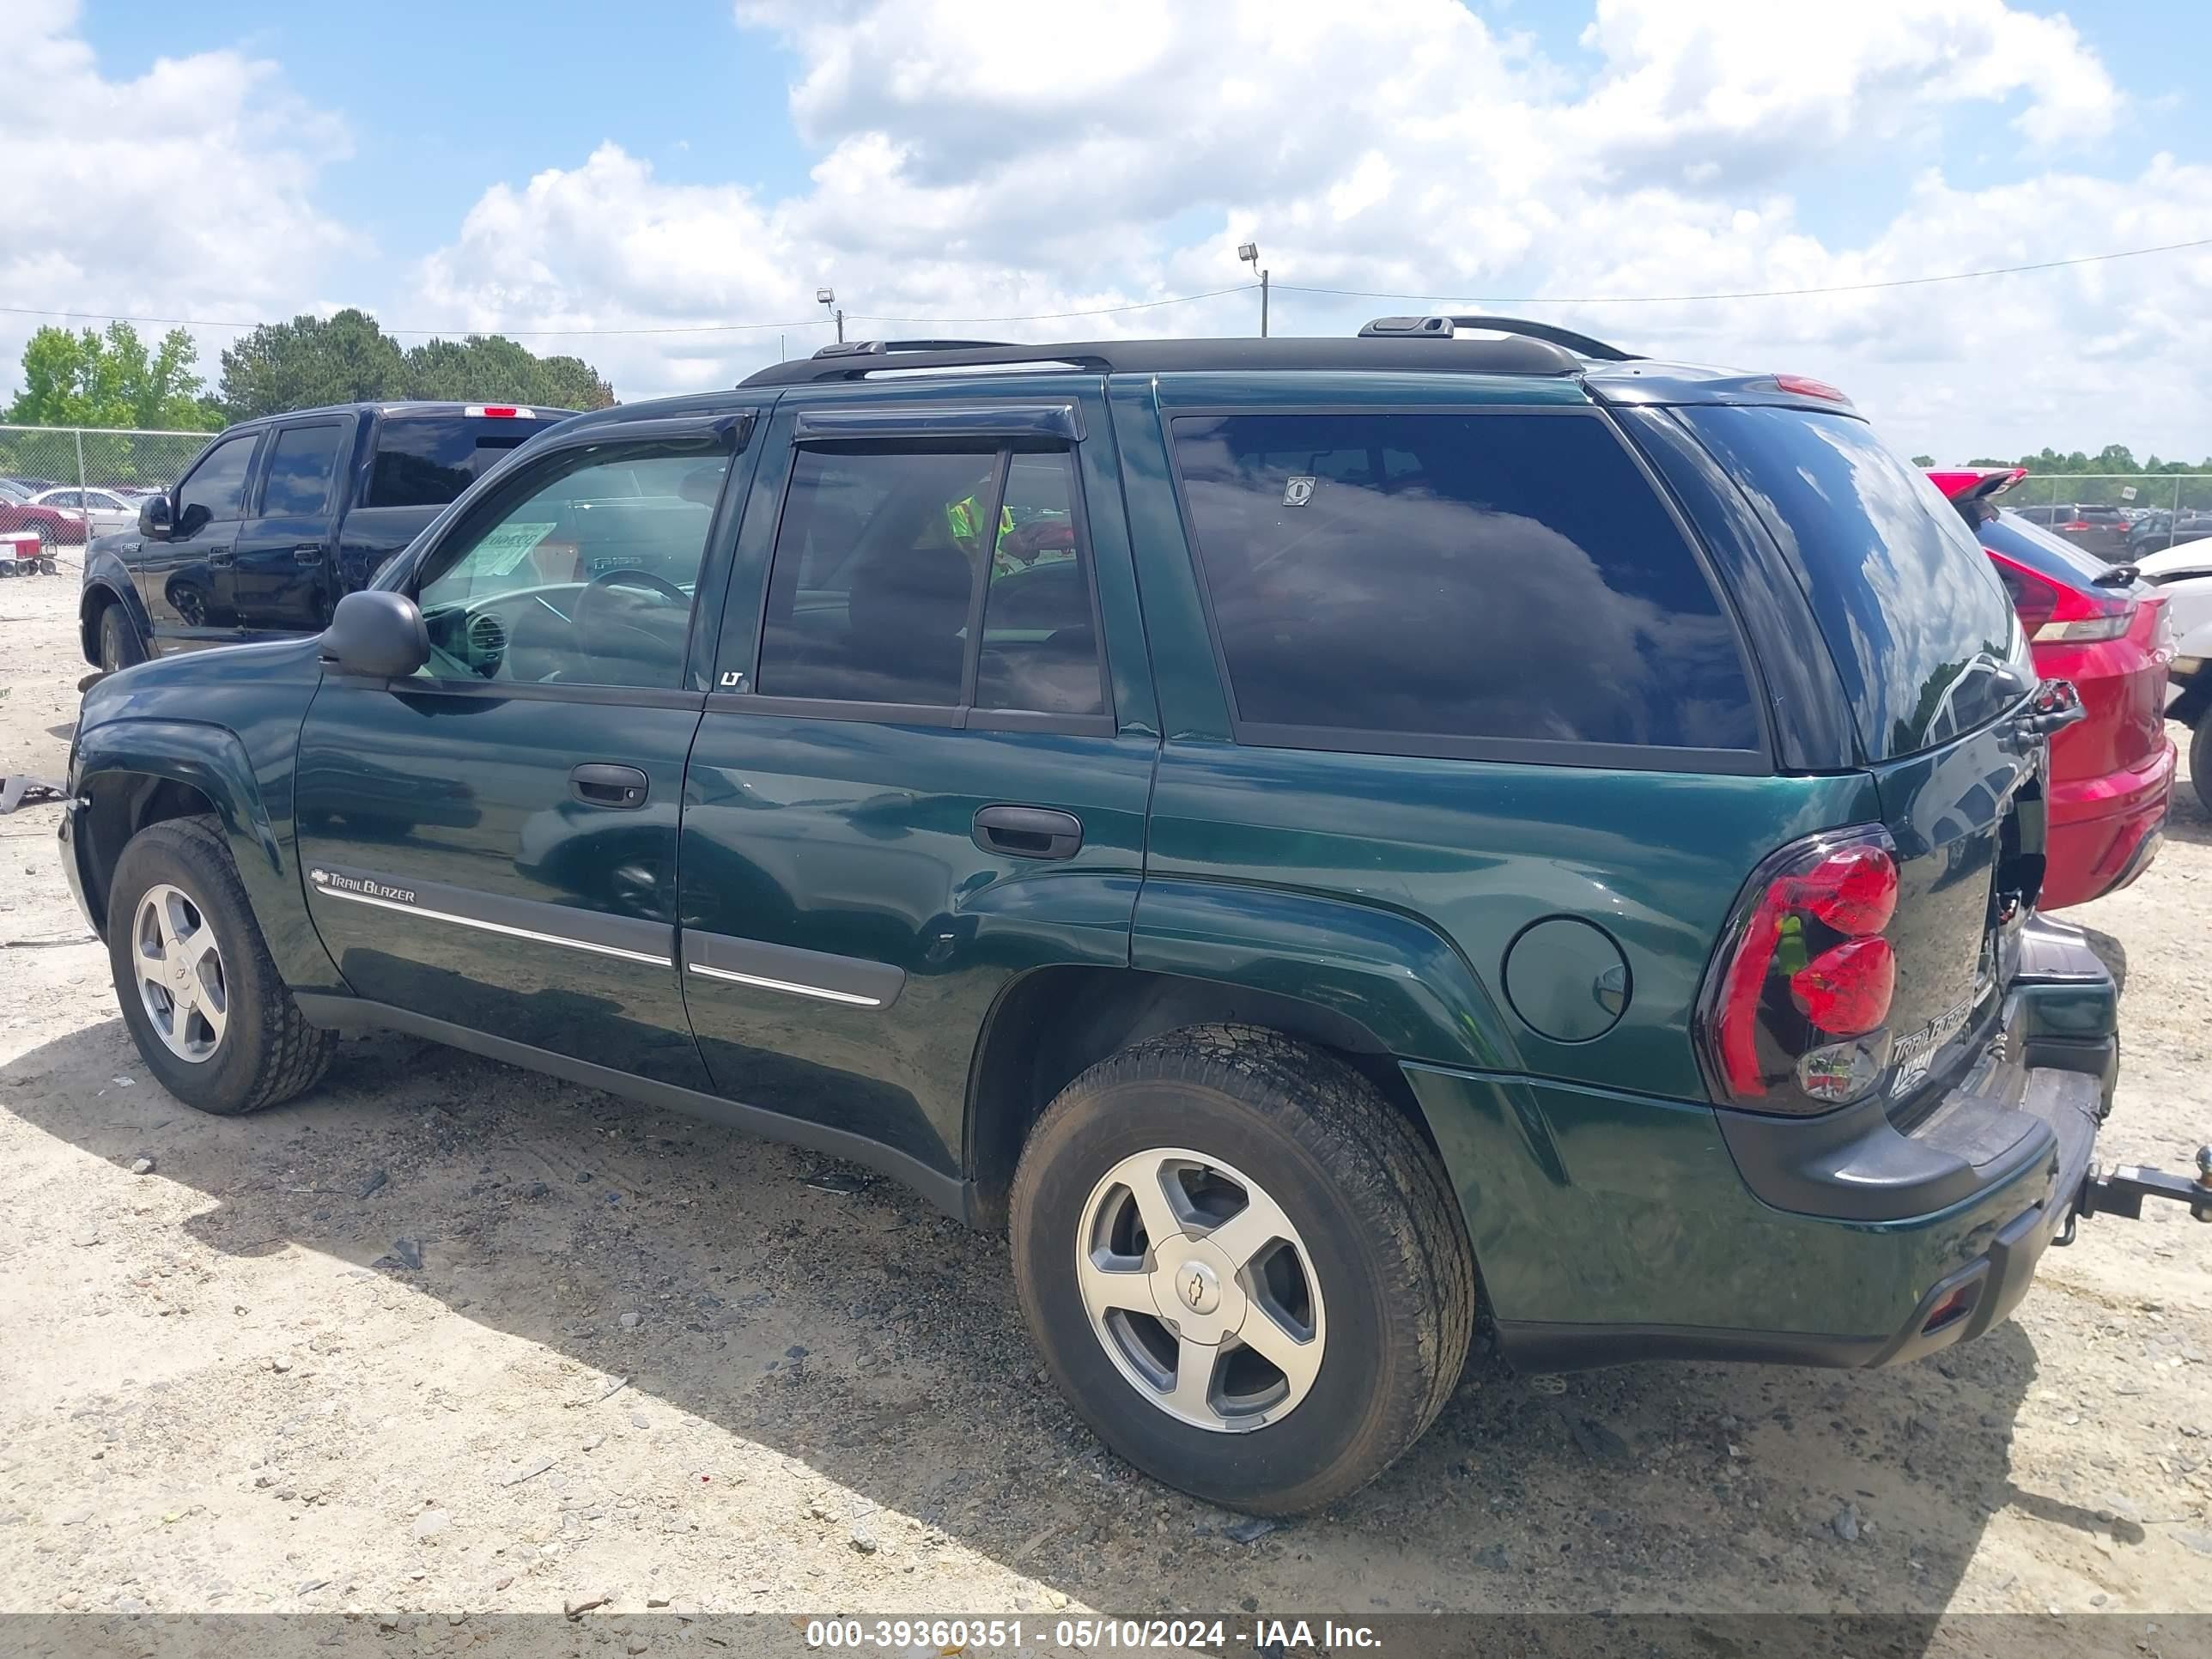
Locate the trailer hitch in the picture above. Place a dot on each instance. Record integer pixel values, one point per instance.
(2122, 1191)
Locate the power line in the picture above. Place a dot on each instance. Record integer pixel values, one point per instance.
(1751, 294)
(1058, 316)
(673, 328)
(1175, 300)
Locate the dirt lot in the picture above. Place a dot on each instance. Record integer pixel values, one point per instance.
(226, 1383)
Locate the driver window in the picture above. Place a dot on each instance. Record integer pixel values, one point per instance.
(586, 578)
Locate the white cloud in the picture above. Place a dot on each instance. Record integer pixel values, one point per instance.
(186, 191)
(976, 159)
(979, 159)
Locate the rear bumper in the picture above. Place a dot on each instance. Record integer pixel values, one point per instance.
(2103, 831)
(1847, 1241)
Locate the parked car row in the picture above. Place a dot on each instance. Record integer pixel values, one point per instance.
(1295, 830)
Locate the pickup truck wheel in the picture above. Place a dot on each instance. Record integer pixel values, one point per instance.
(1246, 1270)
(212, 1019)
(118, 640)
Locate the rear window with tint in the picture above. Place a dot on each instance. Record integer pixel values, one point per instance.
(1440, 584)
(426, 460)
(2006, 533)
(1922, 633)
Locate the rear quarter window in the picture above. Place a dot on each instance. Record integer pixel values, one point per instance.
(1924, 638)
(1446, 584)
(427, 460)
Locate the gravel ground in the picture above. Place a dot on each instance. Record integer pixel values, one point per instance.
(445, 1335)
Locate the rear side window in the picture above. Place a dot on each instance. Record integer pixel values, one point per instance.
(1920, 627)
(885, 554)
(426, 460)
(1441, 584)
(302, 465)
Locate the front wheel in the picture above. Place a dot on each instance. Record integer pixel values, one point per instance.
(211, 1017)
(118, 640)
(1246, 1269)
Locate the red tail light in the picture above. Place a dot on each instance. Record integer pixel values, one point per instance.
(500, 412)
(1845, 990)
(1792, 1018)
(2050, 611)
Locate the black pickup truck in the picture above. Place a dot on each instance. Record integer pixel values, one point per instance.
(280, 517)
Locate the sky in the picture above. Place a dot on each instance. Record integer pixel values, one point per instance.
(627, 184)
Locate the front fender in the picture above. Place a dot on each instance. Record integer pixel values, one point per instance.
(121, 767)
(107, 582)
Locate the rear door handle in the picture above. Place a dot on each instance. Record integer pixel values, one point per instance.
(1029, 832)
(596, 783)
(223, 555)
(308, 553)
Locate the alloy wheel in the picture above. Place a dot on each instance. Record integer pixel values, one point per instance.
(181, 973)
(1200, 1290)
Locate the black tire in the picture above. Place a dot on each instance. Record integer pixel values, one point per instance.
(2200, 761)
(118, 640)
(1373, 1208)
(267, 1053)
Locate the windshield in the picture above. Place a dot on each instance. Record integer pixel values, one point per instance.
(1926, 642)
(11, 492)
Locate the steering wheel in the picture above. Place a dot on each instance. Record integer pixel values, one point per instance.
(628, 576)
(621, 644)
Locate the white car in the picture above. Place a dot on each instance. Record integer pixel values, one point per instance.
(107, 511)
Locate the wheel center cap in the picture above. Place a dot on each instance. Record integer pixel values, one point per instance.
(1197, 1286)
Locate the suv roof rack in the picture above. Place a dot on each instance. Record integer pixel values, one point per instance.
(858, 359)
(874, 347)
(1442, 327)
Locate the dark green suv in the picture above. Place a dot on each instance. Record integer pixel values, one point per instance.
(1318, 838)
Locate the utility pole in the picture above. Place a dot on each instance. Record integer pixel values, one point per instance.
(827, 297)
(1249, 253)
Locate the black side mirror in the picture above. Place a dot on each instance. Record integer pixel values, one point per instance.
(377, 633)
(154, 517)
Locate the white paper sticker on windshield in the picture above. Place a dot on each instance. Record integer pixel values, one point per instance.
(500, 551)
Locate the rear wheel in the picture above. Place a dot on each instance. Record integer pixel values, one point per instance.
(1245, 1268)
(118, 640)
(210, 1015)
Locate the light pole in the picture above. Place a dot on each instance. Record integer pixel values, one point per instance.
(1249, 253)
(828, 296)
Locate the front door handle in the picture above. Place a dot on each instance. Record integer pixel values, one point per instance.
(1029, 832)
(308, 553)
(596, 783)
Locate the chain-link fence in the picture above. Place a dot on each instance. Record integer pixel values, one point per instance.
(64, 482)
(2162, 508)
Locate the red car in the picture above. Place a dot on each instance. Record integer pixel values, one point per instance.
(2090, 622)
(49, 526)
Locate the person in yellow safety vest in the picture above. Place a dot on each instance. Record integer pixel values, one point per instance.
(961, 518)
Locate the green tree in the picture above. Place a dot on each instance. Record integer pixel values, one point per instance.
(340, 359)
(491, 367)
(1923, 460)
(110, 379)
(347, 358)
